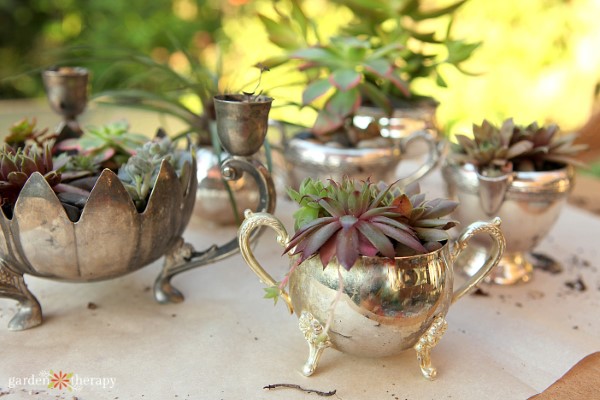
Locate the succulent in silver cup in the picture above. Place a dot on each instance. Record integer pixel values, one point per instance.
(522, 174)
(370, 268)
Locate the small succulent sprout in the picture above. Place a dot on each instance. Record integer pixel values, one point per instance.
(16, 166)
(353, 218)
(497, 151)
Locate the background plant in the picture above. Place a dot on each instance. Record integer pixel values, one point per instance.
(500, 150)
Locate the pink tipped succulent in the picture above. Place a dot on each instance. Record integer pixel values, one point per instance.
(360, 219)
(16, 166)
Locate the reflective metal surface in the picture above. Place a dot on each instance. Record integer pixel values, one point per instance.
(306, 158)
(110, 239)
(385, 305)
(67, 92)
(242, 125)
(212, 198)
(528, 204)
(413, 117)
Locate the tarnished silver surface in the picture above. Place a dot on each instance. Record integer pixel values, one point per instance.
(242, 125)
(404, 121)
(67, 92)
(528, 205)
(305, 158)
(110, 239)
(212, 199)
(386, 305)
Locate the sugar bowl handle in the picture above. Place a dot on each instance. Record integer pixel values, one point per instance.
(252, 222)
(492, 228)
(433, 155)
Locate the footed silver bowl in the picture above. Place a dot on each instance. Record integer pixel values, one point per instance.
(528, 203)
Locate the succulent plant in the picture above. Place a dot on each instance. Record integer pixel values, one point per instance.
(497, 151)
(346, 68)
(24, 131)
(16, 166)
(351, 218)
(547, 147)
(140, 172)
(372, 61)
(404, 23)
(112, 144)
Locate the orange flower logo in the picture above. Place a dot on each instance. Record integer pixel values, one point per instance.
(60, 380)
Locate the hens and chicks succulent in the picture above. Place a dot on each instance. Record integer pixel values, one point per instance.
(73, 172)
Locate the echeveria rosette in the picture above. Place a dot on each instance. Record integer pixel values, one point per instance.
(498, 151)
(362, 219)
(16, 166)
(345, 70)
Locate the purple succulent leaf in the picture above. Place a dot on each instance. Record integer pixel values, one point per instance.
(327, 251)
(348, 221)
(439, 223)
(465, 142)
(7, 166)
(347, 247)
(519, 148)
(566, 160)
(506, 131)
(400, 236)
(394, 223)
(372, 212)
(432, 235)
(29, 166)
(319, 237)
(432, 246)
(307, 230)
(365, 247)
(380, 241)
(17, 178)
(333, 207)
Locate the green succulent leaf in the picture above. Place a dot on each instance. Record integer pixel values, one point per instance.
(315, 90)
(345, 79)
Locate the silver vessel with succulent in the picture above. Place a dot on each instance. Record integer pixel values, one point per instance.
(370, 268)
(522, 174)
(80, 222)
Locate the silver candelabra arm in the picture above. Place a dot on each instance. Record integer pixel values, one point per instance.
(183, 257)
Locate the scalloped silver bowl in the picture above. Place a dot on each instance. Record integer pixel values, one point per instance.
(110, 239)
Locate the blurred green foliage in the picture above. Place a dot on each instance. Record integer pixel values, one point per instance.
(540, 59)
(34, 34)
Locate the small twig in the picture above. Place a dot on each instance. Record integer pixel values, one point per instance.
(298, 387)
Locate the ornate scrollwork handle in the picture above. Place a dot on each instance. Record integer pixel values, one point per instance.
(433, 155)
(183, 257)
(492, 228)
(252, 222)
